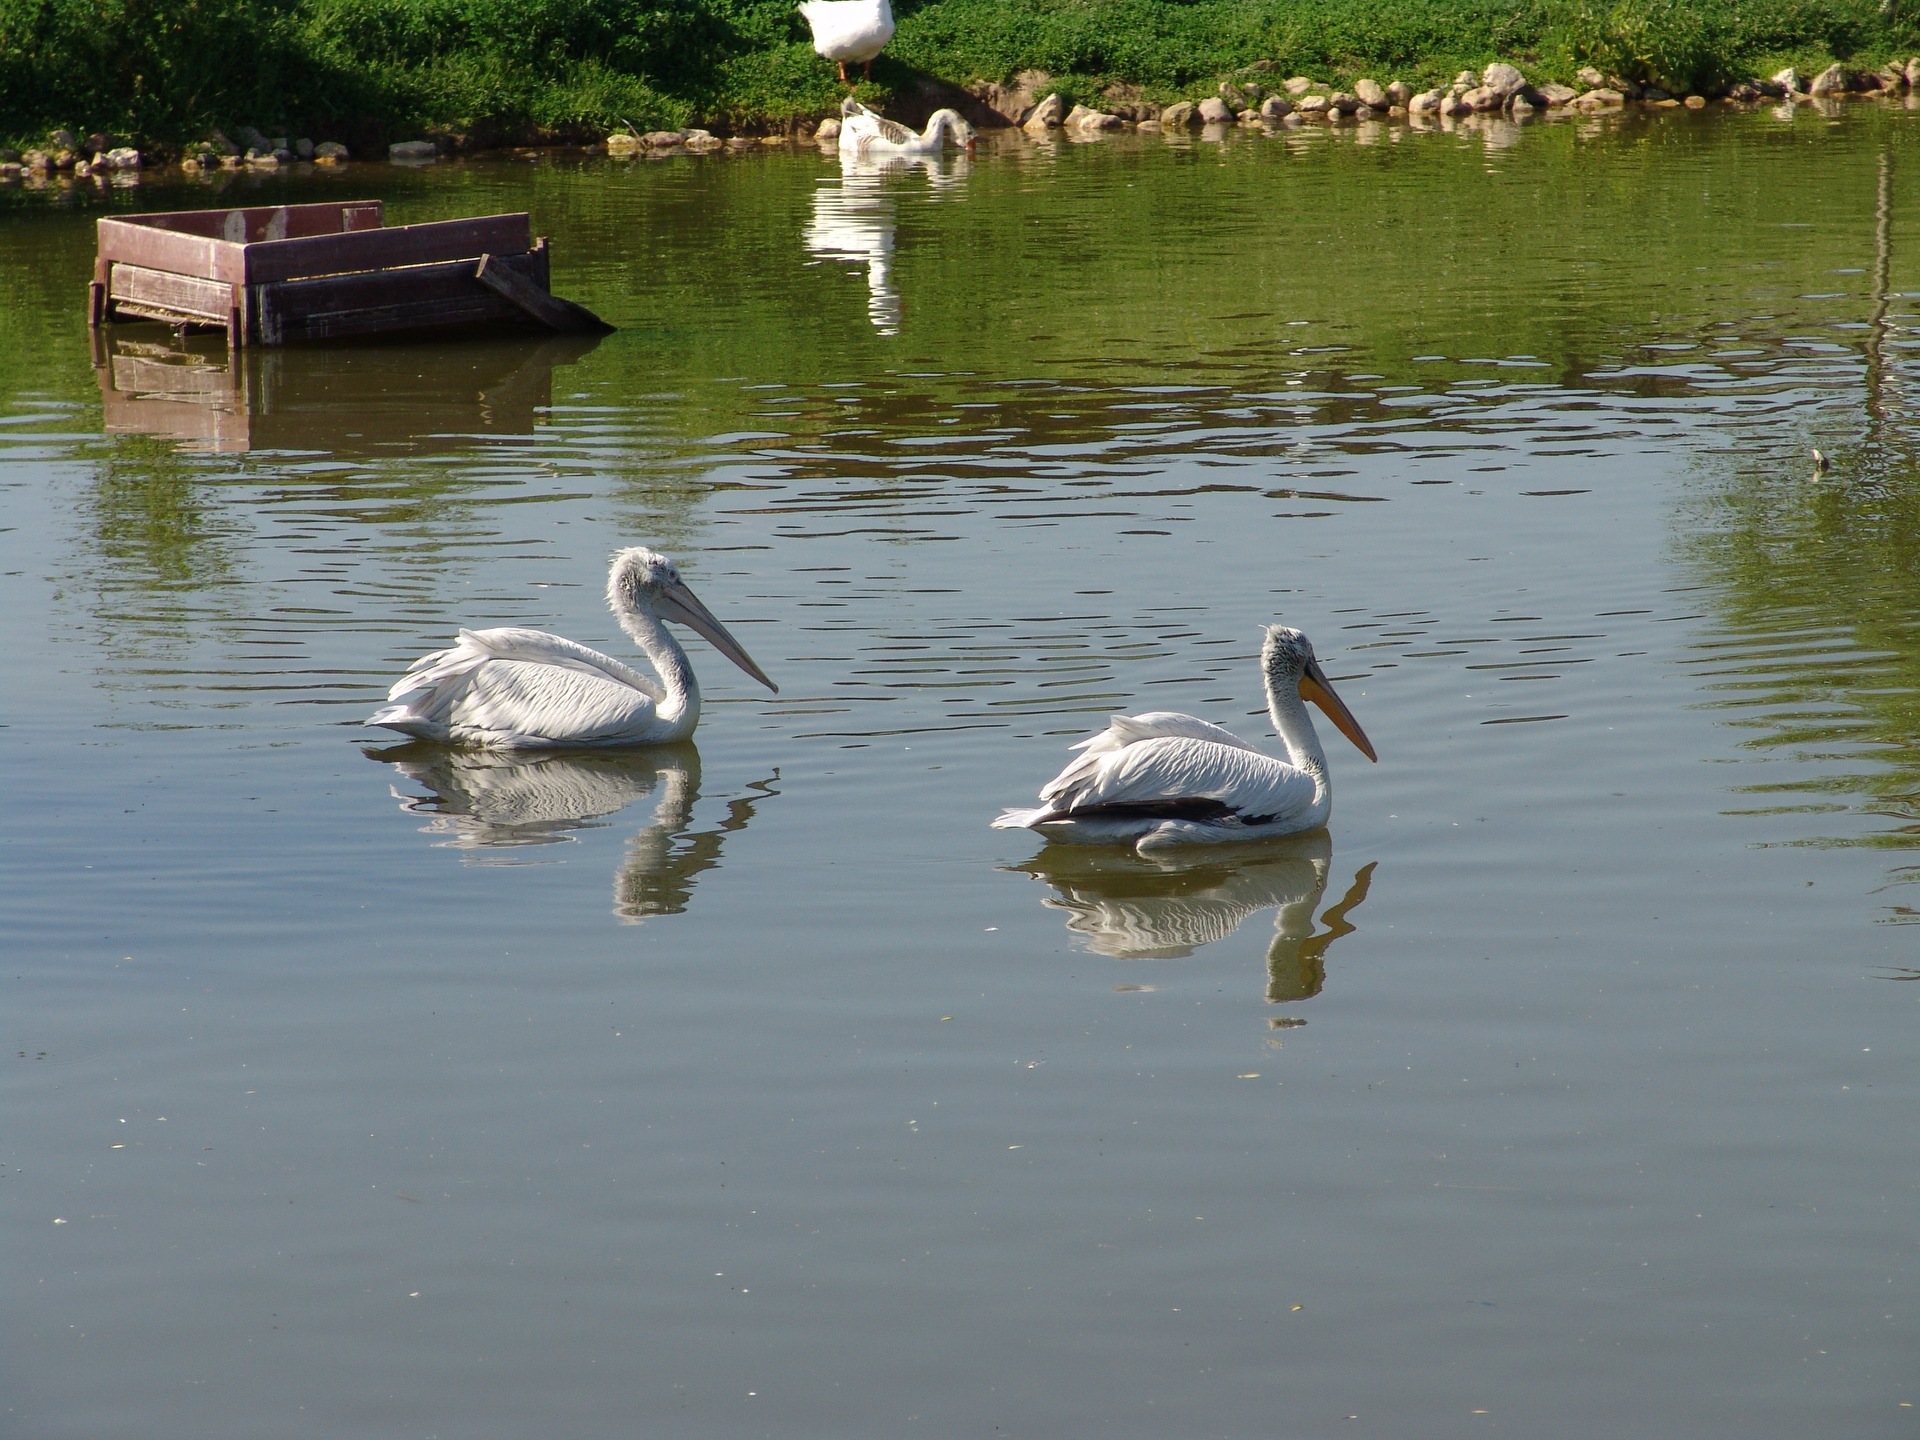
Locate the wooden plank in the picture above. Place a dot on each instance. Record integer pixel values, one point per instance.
(563, 317)
(277, 260)
(251, 224)
(187, 296)
(120, 240)
(416, 297)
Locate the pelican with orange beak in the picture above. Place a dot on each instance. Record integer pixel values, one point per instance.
(1164, 779)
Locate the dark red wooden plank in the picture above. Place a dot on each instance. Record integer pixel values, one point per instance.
(169, 293)
(252, 224)
(382, 301)
(563, 317)
(120, 240)
(276, 260)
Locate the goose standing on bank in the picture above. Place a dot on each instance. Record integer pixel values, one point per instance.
(868, 135)
(1164, 779)
(846, 30)
(516, 687)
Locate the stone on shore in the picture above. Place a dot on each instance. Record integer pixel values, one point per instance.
(1602, 98)
(699, 140)
(1834, 80)
(1343, 102)
(1695, 102)
(1046, 115)
(221, 145)
(1503, 79)
(1083, 118)
(1484, 98)
(1300, 85)
(1590, 77)
(303, 149)
(1275, 107)
(1426, 102)
(1178, 116)
(407, 152)
(329, 152)
(1455, 102)
(624, 142)
(1789, 81)
(1370, 93)
(1399, 93)
(829, 131)
(1465, 80)
(1213, 111)
(1913, 73)
(1235, 97)
(1313, 105)
(124, 157)
(1555, 94)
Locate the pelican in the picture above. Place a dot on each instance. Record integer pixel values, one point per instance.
(866, 134)
(1163, 779)
(520, 688)
(846, 30)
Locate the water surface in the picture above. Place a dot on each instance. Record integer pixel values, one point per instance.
(754, 1086)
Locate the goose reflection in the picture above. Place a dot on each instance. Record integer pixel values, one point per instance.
(1120, 904)
(494, 801)
(854, 220)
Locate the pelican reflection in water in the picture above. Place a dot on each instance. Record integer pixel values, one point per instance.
(854, 220)
(1132, 908)
(492, 800)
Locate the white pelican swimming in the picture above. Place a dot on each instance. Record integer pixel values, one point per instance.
(1169, 779)
(867, 135)
(846, 30)
(517, 687)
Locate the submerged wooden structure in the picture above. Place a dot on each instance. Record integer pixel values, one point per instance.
(282, 274)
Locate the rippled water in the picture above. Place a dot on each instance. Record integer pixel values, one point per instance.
(754, 1086)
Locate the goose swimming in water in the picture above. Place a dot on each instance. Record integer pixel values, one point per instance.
(515, 687)
(846, 30)
(868, 135)
(1164, 779)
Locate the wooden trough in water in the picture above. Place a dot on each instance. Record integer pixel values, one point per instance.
(281, 274)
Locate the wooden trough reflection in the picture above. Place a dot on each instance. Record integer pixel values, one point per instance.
(283, 274)
(356, 400)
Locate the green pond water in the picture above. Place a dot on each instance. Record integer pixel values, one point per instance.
(754, 1087)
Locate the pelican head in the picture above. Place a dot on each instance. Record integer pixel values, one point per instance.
(1288, 662)
(646, 581)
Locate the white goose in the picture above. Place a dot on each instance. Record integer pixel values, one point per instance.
(521, 688)
(1164, 778)
(846, 30)
(868, 135)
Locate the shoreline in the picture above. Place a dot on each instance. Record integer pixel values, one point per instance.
(1028, 106)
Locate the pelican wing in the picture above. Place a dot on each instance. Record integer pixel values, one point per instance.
(518, 642)
(1125, 730)
(1182, 778)
(519, 687)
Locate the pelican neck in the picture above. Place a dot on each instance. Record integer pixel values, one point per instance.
(680, 706)
(1295, 727)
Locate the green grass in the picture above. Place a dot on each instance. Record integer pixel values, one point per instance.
(163, 72)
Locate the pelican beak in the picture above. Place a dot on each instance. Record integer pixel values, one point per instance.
(677, 602)
(1315, 686)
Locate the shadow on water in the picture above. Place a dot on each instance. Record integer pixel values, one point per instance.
(1122, 905)
(491, 802)
(347, 400)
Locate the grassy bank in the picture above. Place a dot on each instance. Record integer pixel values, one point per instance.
(163, 72)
